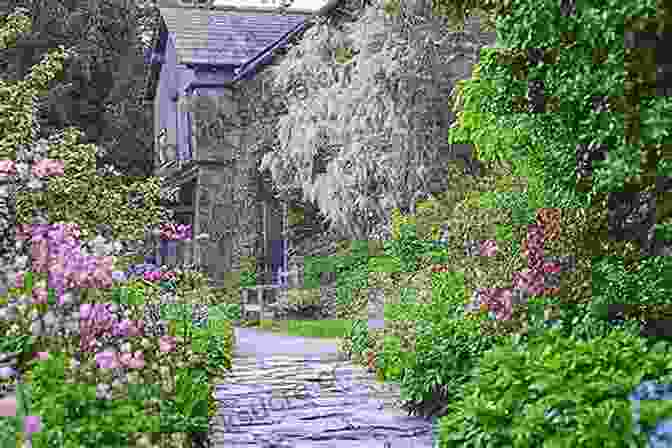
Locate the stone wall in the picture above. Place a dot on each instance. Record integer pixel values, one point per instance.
(226, 194)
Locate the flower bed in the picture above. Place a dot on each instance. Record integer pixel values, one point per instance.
(184, 360)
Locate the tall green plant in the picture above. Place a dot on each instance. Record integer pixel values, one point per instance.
(556, 391)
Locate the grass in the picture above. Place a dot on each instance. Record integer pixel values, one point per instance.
(335, 328)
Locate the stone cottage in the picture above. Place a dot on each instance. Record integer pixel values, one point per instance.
(200, 54)
(204, 63)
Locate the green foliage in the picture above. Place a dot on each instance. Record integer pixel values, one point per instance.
(72, 197)
(456, 11)
(187, 411)
(332, 328)
(224, 311)
(447, 302)
(9, 427)
(571, 120)
(448, 297)
(447, 345)
(405, 309)
(248, 279)
(343, 55)
(303, 299)
(73, 412)
(408, 248)
(351, 279)
(391, 7)
(221, 342)
(133, 294)
(664, 232)
(357, 337)
(446, 352)
(384, 264)
(392, 360)
(646, 288)
(295, 216)
(17, 99)
(313, 267)
(585, 384)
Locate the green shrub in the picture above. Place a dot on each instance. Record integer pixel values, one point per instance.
(447, 348)
(555, 391)
(393, 359)
(356, 340)
(248, 279)
(643, 288)
(447, 301)
(187, 410)
(224, 311)
(408, 248)
(71, 414)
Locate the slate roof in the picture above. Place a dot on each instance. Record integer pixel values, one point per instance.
(222, 38)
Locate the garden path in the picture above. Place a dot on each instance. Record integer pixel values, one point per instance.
(288, 391)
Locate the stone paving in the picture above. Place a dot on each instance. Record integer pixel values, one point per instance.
(293, 392)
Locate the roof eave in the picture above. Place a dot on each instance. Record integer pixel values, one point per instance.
(251, 65)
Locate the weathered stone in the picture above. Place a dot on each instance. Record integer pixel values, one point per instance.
(311, 397)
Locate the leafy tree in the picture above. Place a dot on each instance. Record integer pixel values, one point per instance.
(366, 115)
(80, 196)
(99, 89)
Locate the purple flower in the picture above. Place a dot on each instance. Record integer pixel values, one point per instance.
(31, 424)
(118, 276)
(107, 360)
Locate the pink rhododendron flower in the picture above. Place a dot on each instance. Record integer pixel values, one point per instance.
(488, 248)
(529, 280)
(107, 360)
(40, 295)
(85, 310)
(23, 232)
(133, 360)
(499, 301)
(48, 167)
(31, 424)
(152, 276)
(167, 343)
(71, 231)
(121, 329)
(42, 355)
(136, 328)
(551, 267)
(7, 167)
(40, 252)
(19, 280)
(8, 407)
